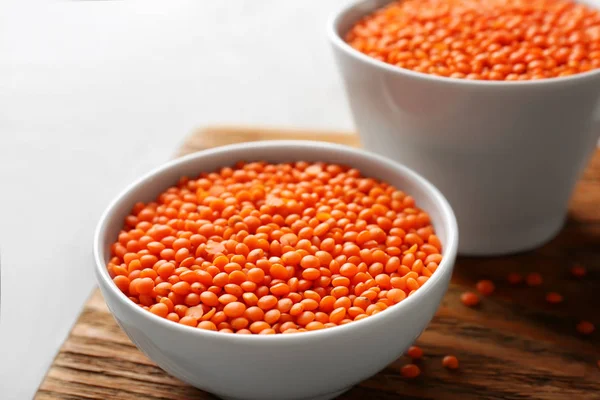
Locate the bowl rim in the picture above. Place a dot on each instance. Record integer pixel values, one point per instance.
(336, 40)
(447, 218)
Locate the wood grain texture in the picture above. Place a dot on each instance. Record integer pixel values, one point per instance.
(513, 346)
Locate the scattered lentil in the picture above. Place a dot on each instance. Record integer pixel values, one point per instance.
(410, 371)
(585, 327)
(469, 299)
(534, 279)
(450, 362)
(415, 352)
(578, 271)
(514, 278)
(554, 298)
(485, 287)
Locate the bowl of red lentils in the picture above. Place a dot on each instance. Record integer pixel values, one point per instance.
(276, 269)
(496, 102)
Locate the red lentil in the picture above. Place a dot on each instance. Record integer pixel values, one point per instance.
(496, 40)
(578, 271)
(469, 299)
(450, 362)
(415, 352)
(554, 298)
(585, 328)
(268, 249)
(410, 371)
(514, 278)
(534, 279)
(485, 287)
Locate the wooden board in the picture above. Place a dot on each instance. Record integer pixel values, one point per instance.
(513, 346)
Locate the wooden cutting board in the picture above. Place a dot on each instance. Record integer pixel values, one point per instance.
(513, 346)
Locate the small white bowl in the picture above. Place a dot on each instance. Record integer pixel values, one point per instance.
(309, 365)
(506, 154)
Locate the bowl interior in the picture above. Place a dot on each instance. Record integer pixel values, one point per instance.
(354, 11)
(343, 20)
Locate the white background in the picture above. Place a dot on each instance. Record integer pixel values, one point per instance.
(94, 93)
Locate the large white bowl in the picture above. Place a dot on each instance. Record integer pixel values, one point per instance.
(506, 154)
(309, 365)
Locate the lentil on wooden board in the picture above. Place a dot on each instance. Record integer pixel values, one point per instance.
(274, 248)
(414, 352)
(483, 39)
(485, 287)
(410, 371)
(554, 298)
(450, 362)
(469, 299)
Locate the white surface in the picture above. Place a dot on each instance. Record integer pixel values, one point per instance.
(497, 150)
(213, 362)
(92, 94)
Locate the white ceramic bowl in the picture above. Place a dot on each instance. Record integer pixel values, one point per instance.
(506, 154)
(309, 365)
